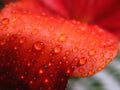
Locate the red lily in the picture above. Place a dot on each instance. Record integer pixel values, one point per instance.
(44, 57)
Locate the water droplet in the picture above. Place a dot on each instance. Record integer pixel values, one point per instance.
(15, 47)
(41, 71)
(84, 75)
(76, 59)
(35, 31)
(67, 52)
(68, 71)
(38, 46)
(52, 28)
(81, 70)
(22, 77)
(5, 21)
(101, 67)
(75, 50)
(101, 60)
(58, 49)
(64, 58)
(19, 32)
(108, 60)
(62, 38)
(44, 38)
(91, 52)
(2, 43)
(22, 40)
(49, 64)
(46, 80)
(82, 61)
(31, 82)
(91, 73)
(28, 64)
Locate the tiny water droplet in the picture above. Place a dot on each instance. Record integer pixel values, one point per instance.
(31, 82)
(81, 70)
(108, 60)
(62, 38)
(46, 80)
(91, 73)
(64, 57)
(101, 60)
(58, 49)
(22, 40)
(35, 31)
(38, 46)
(91, 52)
(49, 64)
(82, 61)
(2, 43)
(84, 75)
(67, 53)
(44, 38)
(52, 28)
(68, 71)
(5, 21)
(41, 71)
(15, 47)
(22, 77)
(75, 50)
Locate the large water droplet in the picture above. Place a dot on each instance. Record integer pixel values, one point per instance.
(38, 46)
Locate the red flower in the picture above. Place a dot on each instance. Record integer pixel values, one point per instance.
(42, 43)
(102, 13)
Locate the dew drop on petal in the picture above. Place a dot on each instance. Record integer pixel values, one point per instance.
(22, 77)
(67, 53)
(62, 38)
(58, 49)
(75, 50)
(15, 47)
(82, 61)
(31, 82)
(81, 70)
(22, 40)
(35, 31)
(38, 46)
(64, 57)
(84, 75)
(2, 43)
(46, 80)
(68, 71)
(101, 60)
(5, 21)
(41, 71)
(108, 60)
(91, 73)
(49, 64)
(91, 52)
